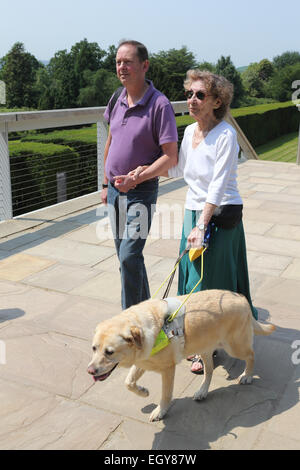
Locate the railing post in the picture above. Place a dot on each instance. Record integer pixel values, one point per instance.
(5, 181)
(101, 141)
(298, 153)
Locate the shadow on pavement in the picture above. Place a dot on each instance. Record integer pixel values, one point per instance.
(228, 411)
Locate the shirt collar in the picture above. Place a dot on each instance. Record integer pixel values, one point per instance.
(144, 100)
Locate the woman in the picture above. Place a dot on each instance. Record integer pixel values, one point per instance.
(208, 161)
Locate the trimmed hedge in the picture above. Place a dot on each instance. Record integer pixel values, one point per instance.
(38, 156)
(33, 174)
(261, 124)
(261, 128)
(78, 137)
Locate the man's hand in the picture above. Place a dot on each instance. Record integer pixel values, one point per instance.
(104, 196)
(124, 183)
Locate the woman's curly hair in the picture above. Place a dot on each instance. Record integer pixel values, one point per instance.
(215, 85)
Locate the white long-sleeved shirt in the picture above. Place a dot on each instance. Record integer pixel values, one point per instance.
(210, 170)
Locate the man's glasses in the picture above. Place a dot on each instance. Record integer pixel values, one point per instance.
(199, 94)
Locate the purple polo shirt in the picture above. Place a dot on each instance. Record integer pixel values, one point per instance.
(138, 132)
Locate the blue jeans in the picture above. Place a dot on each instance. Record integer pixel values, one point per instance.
(130, 216)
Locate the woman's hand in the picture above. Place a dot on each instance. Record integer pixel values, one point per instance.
(136, 173)
(195, 238)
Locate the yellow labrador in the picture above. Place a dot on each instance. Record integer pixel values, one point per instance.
(213, 319)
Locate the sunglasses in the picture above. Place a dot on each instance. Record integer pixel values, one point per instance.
(199, 94)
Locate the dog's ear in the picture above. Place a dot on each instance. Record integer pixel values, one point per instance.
(135, 337)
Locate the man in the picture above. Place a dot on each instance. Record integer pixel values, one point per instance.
(142, 133)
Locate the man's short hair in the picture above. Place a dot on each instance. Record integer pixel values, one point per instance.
(141, 50)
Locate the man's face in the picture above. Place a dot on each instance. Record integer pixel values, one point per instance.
(129, 68)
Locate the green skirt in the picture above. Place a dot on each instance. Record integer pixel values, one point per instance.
(225, 261)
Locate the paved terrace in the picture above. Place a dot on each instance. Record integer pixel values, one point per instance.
(58, 280)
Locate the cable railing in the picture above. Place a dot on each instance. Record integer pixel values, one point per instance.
(39, 180)
(38, 170)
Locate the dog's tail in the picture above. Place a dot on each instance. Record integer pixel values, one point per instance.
(261, 329)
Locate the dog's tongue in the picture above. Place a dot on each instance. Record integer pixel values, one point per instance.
(104, 376)
(101, 377)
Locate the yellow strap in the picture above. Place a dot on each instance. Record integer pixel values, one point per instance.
(175, 267)
(171, 317)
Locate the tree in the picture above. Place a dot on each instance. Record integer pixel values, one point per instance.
(168, 70)
(68, 74)
(85, 56)
(100, 87)
(226, 68)
(280, 86)
(109, 62)
(265, 69)
(256, 76)
(251, 80)
(207, 66)
(18, 71)
(287, 58)
(43, 86)
(64, 89)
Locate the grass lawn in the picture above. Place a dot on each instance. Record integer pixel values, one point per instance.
(283, 149)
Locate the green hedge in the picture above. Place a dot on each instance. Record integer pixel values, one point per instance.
(84, 142)
(260, 123)
(38, 156)
(33, 174)
(261, 128)
(77, 137)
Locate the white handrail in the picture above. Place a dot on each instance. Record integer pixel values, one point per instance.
(30, 120)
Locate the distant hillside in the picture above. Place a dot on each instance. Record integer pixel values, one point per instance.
(242, 69)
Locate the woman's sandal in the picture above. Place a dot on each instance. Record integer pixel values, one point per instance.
(190, 358)
(197, 365)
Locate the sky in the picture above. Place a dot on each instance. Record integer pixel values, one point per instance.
(246, 30)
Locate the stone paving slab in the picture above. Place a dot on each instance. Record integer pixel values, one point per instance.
(59, 280)
(17, 267)
(46, 422)
(60, 277)
(55, 363)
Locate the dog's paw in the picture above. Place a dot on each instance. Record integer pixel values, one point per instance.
(142, 391)
(157, 414)
(201, 394)
(137, 389)
(245, 379)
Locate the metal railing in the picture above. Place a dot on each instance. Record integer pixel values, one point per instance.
(65, 179)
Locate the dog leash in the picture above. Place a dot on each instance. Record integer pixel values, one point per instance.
(194, 253)
(171, 317)
(170, 277)
(162, 340)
